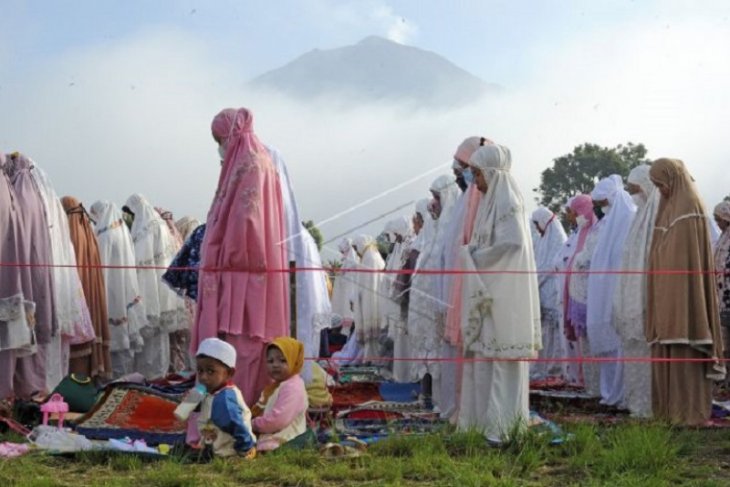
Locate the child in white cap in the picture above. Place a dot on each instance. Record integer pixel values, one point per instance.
(225, 420)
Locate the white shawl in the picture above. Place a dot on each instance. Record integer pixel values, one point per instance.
(426, 297)
(154, 246)
(345, 287)
(630, 303)
(613, 229)
(369, 287)
(501, 311)
(127, 314)
(72, 312)
(547, 247)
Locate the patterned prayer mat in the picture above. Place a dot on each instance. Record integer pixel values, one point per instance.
(350, 395)
(134, 411)
(378, 419)
(360, 373)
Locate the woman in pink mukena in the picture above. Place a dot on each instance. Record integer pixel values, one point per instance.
(238, 300)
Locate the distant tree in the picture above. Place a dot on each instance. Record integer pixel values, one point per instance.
(578, 171)
(727, 198)
(315, 233)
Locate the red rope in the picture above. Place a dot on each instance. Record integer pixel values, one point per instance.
(530, 360)
(287, 270)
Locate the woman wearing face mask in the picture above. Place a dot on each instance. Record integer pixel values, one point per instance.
(245, 299)
(682, 319)
(501, 314)
(575, 294)
(458, 233)
(629, 305)
(619, 212)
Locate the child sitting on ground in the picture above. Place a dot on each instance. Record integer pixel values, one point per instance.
(224, 422)
(280, 413)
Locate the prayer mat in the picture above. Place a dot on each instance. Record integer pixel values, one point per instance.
(134, 411)
(379, 419)
(400, 392)
(350, 395)
(360, 373)
(547, 383)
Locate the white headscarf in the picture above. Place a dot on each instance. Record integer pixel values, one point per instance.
(390, 304)
(155, 246)
(425, 296)
(449, 196)
(345, 245)
(186, 225)
(399, 227)
(562, 259)
(70, 308)
(630, 296)
(425, 235)
(547, 247)
(126, 310)
(613, 229)
(72, 312)
(501, 311)
(345, 287)
(431, 234)
(367, 307)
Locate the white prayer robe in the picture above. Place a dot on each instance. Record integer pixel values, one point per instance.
(613, 229)
(630, 298)
(501, 315)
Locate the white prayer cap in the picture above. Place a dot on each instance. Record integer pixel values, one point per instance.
(219, 350)
(607, 188)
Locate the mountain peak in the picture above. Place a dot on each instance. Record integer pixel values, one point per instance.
(376, 41)
(376, 69)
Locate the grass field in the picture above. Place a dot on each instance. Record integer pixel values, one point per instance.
(623, 455)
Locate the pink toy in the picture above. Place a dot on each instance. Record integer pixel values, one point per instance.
(55, 404)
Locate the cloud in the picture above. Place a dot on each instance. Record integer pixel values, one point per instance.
(396, 27)
(133, 115)
(360, 18)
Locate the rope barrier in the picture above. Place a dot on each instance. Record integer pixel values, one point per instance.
(341, 270)
(361, 360)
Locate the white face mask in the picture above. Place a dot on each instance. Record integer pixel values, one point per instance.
(606, 209)
(638, 199)
(581, 220)
(222, 152)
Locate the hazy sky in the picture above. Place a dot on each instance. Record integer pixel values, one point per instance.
(116, 97)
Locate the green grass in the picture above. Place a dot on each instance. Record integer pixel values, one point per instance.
(631, 454)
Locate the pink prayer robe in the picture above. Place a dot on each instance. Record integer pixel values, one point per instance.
(243, 295)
